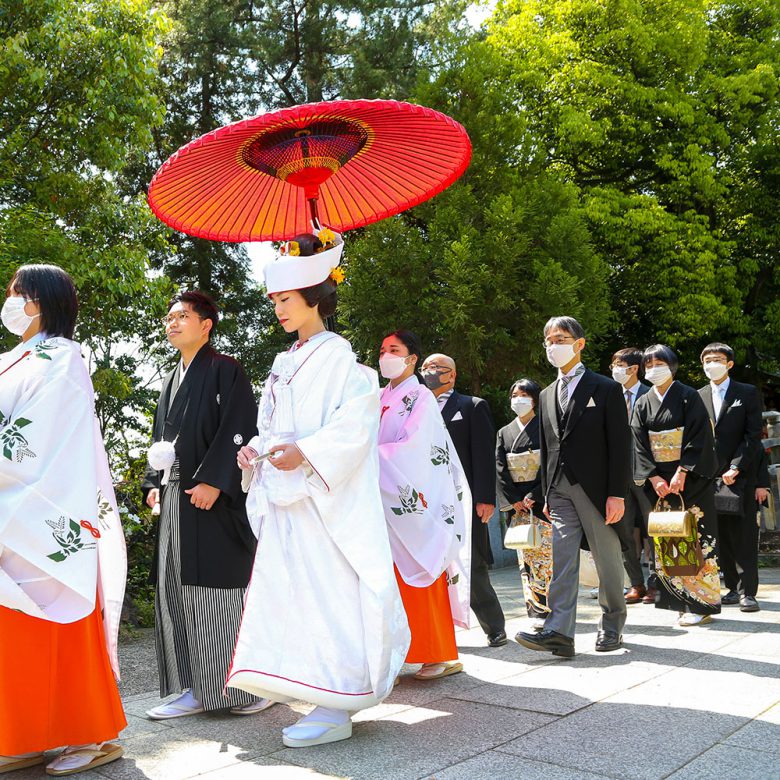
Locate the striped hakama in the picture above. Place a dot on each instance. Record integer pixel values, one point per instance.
(195, 627)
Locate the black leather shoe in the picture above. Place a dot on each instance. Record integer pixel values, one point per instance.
(549, 641)
(607, 641)
(730, 599)
(498, 639)
(748, 604)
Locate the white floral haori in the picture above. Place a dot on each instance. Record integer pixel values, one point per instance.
(59, 521)
(425, 494)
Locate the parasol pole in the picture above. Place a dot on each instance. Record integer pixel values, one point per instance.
(315, 217)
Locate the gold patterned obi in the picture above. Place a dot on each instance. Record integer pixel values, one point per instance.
(523, 466)
(666, 445)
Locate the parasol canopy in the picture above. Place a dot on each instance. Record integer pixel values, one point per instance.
(346, 163)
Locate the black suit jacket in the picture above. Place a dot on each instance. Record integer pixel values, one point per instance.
(470, 423)
(737, 428)
(594, 447)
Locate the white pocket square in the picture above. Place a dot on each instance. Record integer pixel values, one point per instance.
(456, 416)
(737, 402)
(590, 403)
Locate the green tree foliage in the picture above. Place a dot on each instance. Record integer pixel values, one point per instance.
(477, 271)
(228, 59)
(77, 99)
(664, 114)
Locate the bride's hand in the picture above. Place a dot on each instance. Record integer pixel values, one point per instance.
(246, 454)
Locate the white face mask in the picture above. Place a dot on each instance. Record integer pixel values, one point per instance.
(716, 371)
(521, 405)
(560, 354)
(657, 375)
(392, 366)
(620, 374)
(14, 316)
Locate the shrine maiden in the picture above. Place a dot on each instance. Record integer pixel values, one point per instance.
(62, 551)
(427, 509)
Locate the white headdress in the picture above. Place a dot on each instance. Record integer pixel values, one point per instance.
(291, 271)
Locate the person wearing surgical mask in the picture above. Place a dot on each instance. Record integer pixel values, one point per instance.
(735, 412)
(584, 460)
(470, 423)
(674, 454)
(427, 509)
(625, 368)
(520, 489)
(62, 547)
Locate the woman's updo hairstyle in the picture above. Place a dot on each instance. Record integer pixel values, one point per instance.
(322, 295)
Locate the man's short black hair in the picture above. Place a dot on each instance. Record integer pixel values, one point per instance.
(717, 348)
(631, 356)
(55, 294)
(663, 353)
(201, 304)
(569, 324)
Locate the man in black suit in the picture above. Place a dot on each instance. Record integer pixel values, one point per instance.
(471, 427)
(735, 411)
(585, 462)
(625, 367)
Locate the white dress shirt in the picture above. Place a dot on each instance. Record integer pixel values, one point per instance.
(574, 382)
(444, 397)
(718, 394)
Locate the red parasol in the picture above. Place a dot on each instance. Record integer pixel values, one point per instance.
(348, 162)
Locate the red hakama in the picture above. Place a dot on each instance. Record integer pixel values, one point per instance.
(430, 621)
(57, 687)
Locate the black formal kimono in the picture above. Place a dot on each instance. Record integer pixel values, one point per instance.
(682, 407)
(738, 444)
(470, 424)
(203, 558)
(535, 565)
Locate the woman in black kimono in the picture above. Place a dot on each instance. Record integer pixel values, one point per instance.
(520, 487)
(675, 453)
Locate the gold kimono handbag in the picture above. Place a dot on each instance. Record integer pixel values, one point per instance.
(667, 522)
(523, 533)
(677, 546)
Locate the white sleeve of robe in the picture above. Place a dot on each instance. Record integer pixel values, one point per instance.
(426, 500)
(59, 512)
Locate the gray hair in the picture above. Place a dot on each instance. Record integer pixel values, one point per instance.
(569, 324)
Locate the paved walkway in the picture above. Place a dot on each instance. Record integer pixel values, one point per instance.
(680, 703)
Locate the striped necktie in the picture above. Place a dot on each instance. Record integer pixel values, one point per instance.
(563, 387)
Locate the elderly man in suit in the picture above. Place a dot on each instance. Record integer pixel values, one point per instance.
(625, 367)
(585, 462)
(471, 427)
(735, 411)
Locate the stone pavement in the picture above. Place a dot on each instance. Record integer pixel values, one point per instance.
(680, 703)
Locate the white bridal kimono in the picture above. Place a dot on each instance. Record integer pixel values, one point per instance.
(425, 494)
(323, 620)
(61, 541)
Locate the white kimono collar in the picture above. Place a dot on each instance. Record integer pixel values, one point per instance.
(410, 383)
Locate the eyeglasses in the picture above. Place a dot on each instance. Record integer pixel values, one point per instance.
(177, 317)
(437, 367)
(557, 340)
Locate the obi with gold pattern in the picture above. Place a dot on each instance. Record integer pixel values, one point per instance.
(666, 445)
(523, 466)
